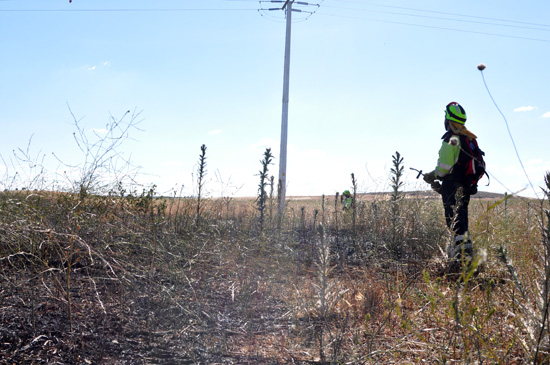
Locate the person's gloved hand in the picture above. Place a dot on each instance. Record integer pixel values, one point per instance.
(436, 186)
(429, 177)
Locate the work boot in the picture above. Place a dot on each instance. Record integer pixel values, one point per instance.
(463, 250)
(460, 255)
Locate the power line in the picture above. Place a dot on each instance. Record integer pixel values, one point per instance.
(447, 13)
(509, 133)
(441, 28)
(123, 10)
(318, 6)
(441, 18)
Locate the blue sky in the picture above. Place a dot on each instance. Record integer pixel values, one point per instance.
(367, 79)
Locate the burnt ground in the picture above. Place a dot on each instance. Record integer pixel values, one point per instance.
(107, 280)
(223, 307)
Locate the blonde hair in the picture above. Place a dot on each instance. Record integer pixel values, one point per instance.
(460, 129)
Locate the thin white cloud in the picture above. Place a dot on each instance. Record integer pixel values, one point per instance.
(90, 68)
(107, 64)
(525, 108)
(546, 115)
(217, 131)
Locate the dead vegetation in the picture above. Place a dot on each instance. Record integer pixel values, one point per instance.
(134, 279)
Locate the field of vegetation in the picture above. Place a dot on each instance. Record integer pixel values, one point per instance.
(98, 274)
(131, 278)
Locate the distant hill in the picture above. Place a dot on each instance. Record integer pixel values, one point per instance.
(430, 194)
(433, 194)
(425, 194)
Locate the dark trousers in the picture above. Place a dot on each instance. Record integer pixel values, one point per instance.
(455, 201)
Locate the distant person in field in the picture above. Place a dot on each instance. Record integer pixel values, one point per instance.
(346, 200)
(459, 167)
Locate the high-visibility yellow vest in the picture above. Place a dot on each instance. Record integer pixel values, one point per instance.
(448, 155)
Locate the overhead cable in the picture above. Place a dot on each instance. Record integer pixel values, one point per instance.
(440, 18)
(437, 27)
(448, 13)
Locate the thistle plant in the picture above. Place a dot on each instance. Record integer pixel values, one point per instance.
(201, 173)
(262, 199)
(396, 184)
(397, 174)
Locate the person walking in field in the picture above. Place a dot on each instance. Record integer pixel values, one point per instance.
(459, 167)
(346, 200)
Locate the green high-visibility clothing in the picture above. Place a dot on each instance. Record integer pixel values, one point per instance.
(448, 156)
(347, 202)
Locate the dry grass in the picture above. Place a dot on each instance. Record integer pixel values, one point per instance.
(137, 280)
